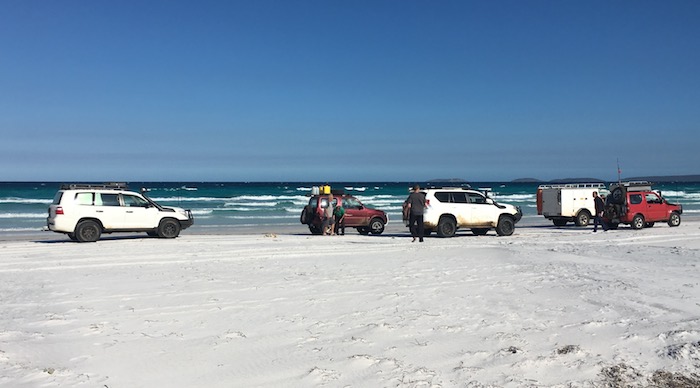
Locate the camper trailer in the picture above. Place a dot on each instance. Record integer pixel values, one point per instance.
(572, 202)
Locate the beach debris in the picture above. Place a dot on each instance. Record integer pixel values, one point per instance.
(682, 351)
(662, 378)
(623, 375)
(569, 349)
(620, 375)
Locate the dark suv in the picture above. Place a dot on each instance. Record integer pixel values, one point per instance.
(357, 215)
(636, 204)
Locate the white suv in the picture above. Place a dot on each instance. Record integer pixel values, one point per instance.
(450, 208)
(85, 211)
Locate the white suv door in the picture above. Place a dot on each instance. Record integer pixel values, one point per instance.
(481, 211)
(109, 210)
(138, 214)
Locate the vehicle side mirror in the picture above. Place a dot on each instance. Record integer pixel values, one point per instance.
(489, 201)
(360, 207)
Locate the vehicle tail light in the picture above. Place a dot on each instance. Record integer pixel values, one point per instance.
(59, 210)
(427, 202)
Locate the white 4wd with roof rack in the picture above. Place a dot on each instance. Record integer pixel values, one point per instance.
(85, 211)
(450, 208)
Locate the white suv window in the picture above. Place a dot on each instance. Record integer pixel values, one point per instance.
(83, 198)
(134, 201)
(103, 199)
(451, 197)
(476, 198)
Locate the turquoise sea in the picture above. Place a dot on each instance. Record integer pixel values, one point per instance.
(227, 205)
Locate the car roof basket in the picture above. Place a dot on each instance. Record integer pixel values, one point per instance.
(573, 186)
(96, 186)
(446, 185)
(634, 185)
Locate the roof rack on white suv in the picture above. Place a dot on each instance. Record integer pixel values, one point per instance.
(464, 186)
(102, 186)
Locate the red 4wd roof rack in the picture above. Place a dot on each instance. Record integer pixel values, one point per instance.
(634, 185)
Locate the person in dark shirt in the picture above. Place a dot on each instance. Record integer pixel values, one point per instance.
(416, 206)
(599, 209)
(339, 215)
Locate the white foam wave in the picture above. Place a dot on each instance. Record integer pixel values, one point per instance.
(188, 199)
(20, 230)
(514, 197)
(249, 205)
(241, 209)
(251, 198)
(25, 200)
(238, 217)
(23, 215)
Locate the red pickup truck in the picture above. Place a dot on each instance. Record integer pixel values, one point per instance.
(636, 204)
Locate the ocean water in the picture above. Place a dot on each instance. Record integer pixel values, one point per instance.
(223, 205)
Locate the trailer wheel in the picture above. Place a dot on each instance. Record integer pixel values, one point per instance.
(583, 218)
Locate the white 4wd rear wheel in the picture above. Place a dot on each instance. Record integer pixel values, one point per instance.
(87, 231)
(447, 227)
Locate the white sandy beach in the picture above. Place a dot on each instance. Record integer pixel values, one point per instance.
(546, 307)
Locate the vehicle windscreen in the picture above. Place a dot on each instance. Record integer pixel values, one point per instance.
(350, 202)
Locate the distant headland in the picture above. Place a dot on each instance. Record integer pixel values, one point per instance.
(653, 178)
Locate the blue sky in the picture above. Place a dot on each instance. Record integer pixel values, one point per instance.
(348, 90)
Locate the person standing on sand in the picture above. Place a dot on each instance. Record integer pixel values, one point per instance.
(339, 214)
(599, 209)
(416, 206)
(327, 224)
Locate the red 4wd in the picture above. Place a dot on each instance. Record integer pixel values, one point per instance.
(636, 204)
(365, 220)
